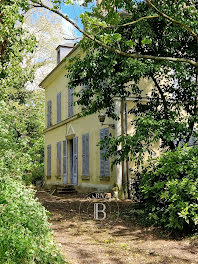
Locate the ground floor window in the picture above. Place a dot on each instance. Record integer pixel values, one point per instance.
(48, 160)
(58, 148)
(104, 163)
(85, 155)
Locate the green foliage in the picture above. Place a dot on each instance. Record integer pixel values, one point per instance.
(21, 139)
(21, 110)
(25, 235)
(168, 113)
(169, 187)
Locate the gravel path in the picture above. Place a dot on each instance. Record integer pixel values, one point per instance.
(115, 241)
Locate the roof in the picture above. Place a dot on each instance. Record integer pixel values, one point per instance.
(58, 65)
(66, 45)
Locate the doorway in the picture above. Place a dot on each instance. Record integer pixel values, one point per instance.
(71, 160)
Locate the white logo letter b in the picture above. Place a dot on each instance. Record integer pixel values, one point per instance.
(97, 211)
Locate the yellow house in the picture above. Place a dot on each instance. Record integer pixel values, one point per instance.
(72, 156)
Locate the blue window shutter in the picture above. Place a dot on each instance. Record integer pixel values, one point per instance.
(59, 107)
(75, 159)
(70, 103)
(192, 141)
(48, 160)
(85, 155)
(84, 87)
(104, 163)
(101, 154)
(49, 113)
(59, 158)
(65, 169)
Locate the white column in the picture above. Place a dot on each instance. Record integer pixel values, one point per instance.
(118, 167)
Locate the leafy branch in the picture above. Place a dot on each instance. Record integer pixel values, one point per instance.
(195, 36)
(130, 23)
(112, 49)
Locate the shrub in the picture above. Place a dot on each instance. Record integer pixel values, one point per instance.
(25, 235)
(37, 174)
(169, 187)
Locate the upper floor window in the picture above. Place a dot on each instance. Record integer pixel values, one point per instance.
(70, 103)
(49, 113)
(58, 56)
(59, 107)
(84, 87)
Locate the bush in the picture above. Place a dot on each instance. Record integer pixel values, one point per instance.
(169, 187)
(25, 235)
(37, 174)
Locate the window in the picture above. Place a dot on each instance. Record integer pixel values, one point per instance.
(70, 103)
(84, 87)
(58, 148)
(59, 107)
(85, 155)
(58, 56)
(48, 160)
(49, 113)
(104, 163)
(191, 142)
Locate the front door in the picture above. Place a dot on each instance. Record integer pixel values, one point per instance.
(74, 160)
(65, 181)
(71, 161)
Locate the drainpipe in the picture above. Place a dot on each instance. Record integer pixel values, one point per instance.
(127, 161)
(122, 134)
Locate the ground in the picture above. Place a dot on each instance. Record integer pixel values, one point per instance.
(116, 240)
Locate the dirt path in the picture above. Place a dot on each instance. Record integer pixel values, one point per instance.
(85, 241)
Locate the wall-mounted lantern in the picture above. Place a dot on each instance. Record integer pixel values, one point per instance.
(101, 118)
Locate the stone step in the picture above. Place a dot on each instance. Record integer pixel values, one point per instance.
(67, 192)
(68, 187)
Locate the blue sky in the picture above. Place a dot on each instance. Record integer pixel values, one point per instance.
(74, 11)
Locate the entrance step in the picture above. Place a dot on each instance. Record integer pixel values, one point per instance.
(65, 189)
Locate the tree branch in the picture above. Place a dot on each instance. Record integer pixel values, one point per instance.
(130, 23)
(195, 36)
(117, 51)
(161, 94)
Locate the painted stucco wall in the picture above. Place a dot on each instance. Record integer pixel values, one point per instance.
(75, 126)
(80, 126)
(146, 85)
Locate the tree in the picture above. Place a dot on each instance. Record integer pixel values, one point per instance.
(25, 234)
(109, 12)
(170, 111)
(49, 31)
(147, 40)
(22, 101)
(15, 44)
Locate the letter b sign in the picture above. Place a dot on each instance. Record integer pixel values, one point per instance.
(99, 208)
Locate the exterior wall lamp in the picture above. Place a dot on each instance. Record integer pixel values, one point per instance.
(101, 118)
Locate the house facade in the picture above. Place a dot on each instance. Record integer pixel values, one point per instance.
(72, 154)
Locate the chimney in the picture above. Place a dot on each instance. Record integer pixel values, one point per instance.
(63, 50)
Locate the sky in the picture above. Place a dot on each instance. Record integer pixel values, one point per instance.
(45, 26)
(74, 11)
